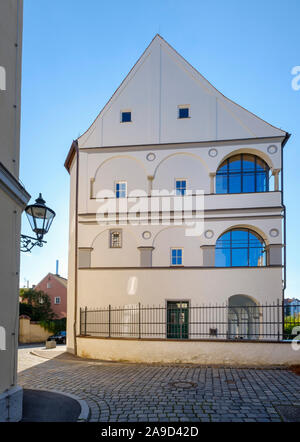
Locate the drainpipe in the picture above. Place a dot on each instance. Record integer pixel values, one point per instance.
(76, 248)
(284, 211)
(287, 136)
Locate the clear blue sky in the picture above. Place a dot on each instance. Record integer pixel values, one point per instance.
(76, 53)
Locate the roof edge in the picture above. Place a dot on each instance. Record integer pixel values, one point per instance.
(286, 138)
(57, 277)
(157, 36)
(70, 156)
(172, 49)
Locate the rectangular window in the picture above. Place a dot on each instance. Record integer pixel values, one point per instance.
(180, 187)
(126, 117)
(48, 285)
(176, 257)
(121, 189)
(183, 112)
(57, 300)
(115, 239)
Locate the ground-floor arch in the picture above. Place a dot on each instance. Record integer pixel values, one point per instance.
(243, 317)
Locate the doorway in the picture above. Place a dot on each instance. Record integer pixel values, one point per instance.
(177, 319)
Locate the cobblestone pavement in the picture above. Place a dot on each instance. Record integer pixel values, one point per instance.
(167, 393)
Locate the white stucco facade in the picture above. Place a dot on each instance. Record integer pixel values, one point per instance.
(149, 153)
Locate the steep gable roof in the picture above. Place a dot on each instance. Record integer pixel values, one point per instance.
(159, 81)
(60, 279)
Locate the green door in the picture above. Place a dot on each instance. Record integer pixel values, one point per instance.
(177, 320)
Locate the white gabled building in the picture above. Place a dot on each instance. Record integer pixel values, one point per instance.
(166, 128)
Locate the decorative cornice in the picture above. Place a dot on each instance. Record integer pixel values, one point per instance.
(180, 145)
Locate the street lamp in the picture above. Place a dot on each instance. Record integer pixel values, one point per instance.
(40, 218)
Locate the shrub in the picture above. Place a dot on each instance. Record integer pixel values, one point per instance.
(54, 326)
(289, 323)
(36, 304)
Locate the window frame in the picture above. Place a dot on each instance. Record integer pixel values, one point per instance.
(111, 232)
(180, 179)
(55, 298)
(125, 111)
(231, 247)
(120, 182)
(171, 257)
(183, 106)
(243, 173)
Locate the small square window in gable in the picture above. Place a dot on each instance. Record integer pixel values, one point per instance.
(183, 112)
(126, 117)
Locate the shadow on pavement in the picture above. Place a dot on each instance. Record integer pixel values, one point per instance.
(45, 406)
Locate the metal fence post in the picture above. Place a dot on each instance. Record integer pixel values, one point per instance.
(139, 320)
(109, 320)
(283, 318)
(278, 320)
(85, 317)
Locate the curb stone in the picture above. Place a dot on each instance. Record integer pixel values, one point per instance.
(85, 409)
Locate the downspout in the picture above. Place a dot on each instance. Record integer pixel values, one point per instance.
(284, 214)
(76, 248)
(287, 136)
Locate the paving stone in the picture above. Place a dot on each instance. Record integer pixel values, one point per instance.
(118, 392)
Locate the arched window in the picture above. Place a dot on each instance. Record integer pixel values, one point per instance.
(242, 173)
(240, 248)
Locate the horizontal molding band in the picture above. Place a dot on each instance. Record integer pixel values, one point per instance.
(191, 195)
(230, 218)
(189, 144)
(212, 340)
(182, 268)
(229, 209)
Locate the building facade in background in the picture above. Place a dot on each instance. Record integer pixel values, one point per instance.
(292, 306)
(165, 135)
(56, 288)
(13, 200)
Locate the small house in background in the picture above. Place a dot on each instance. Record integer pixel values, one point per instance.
(292, 306)
(56, 288)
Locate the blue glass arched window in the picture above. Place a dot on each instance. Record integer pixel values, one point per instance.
(240, 248)
(242, 173)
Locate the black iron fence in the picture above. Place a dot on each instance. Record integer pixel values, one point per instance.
(179, 320)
